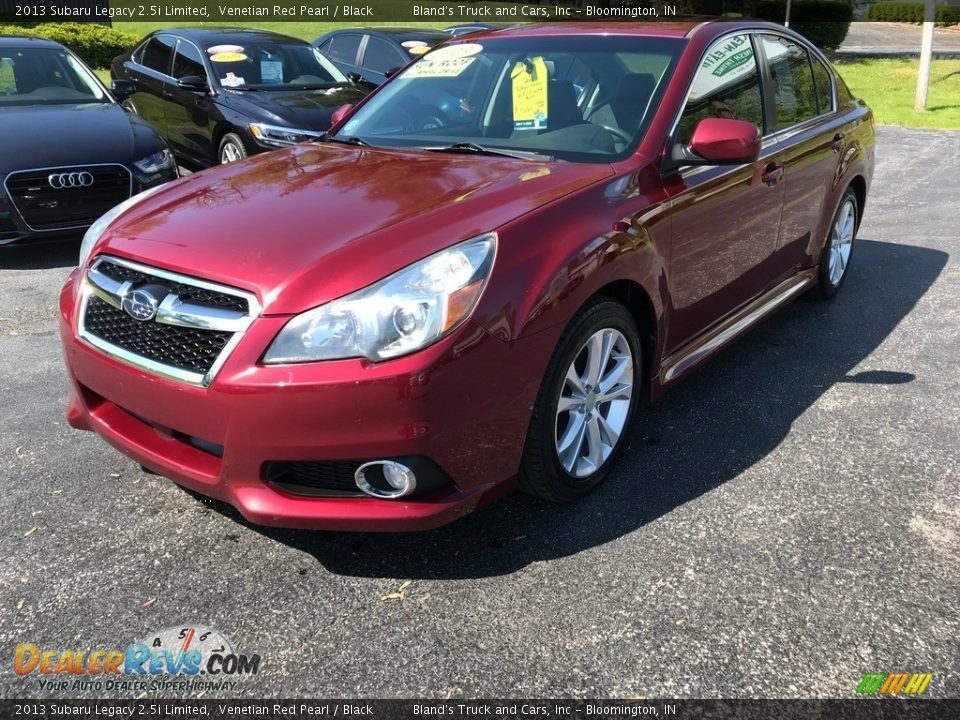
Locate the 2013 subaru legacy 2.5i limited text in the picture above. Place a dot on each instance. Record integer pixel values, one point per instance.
(386, 329)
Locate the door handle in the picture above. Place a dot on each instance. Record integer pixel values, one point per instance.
(837, 143)
(772, 173)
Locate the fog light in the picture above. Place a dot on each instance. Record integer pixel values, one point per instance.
(385, 479)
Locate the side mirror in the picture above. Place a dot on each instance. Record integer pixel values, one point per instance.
(720, 141)
(339, 114)
(192, 83)
(122, 89)
(358, 79)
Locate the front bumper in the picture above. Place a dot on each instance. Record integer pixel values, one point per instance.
(452, 403)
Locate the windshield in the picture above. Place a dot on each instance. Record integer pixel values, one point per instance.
(46, 76)
(583, 99)
(272, 66)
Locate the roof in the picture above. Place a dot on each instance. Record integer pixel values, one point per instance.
(400, 33)
(24, 41)
(225, 35)
(649, 29)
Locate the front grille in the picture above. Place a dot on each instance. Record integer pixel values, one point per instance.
(44, 207)
(187, 293)
(334, 477)
(183, 348)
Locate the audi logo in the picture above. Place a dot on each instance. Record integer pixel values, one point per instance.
(64, 181)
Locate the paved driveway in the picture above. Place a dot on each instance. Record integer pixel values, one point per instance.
(785, 521)
(876, 39)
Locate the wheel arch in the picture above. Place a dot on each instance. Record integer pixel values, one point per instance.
(635, 299)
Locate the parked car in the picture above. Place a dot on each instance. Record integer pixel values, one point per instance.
(388, 329)
(218, 95)
(68, 151)
(371, 54)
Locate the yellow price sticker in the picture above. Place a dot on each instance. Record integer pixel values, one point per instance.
(529, 80)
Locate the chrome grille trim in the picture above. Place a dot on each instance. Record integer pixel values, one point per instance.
(172, 311)
(60, 168)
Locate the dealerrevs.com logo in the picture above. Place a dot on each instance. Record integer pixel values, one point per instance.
(191, 658)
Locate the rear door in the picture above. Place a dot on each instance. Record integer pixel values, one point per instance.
(379, 57)
(808, 132)
(149, 70)
(725, 219)
(189, 124)
(343, 50)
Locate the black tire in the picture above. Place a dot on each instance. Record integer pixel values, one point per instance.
(827, 286)
(541, 473)
(233, 140)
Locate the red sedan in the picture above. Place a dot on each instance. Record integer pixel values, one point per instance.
(473, 280)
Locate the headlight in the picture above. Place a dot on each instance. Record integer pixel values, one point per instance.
(398, 315)
(97, 229)
(281, 136)
(158, 162)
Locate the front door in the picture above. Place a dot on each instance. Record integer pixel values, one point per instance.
(725, 219)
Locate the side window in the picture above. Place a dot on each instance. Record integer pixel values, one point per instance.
(793, 89)
(187, 61)
(343, 48)
(824, 88)
(727, 85)
(380, 57)
(156, 55)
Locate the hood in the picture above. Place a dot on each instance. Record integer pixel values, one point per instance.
(37, 137)
(314, 222)
(307, 109)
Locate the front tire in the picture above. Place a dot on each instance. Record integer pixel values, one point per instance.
(586, 404)
(838, 249)
(231, 149)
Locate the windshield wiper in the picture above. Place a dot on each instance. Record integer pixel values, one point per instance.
(470, 147)
(352, 140)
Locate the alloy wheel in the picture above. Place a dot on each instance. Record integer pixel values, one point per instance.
(594, 403)
(841, 241)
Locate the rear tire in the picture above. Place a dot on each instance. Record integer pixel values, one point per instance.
(838, 248)
(231, 149)
(586, 404)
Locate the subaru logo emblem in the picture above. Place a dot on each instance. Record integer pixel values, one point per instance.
(142, 303)
(65, 181)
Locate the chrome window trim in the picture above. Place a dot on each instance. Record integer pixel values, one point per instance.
(176, 313)
(61, 167)
(811, 50)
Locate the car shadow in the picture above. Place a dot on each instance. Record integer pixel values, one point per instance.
(709, 429)
(41, 255)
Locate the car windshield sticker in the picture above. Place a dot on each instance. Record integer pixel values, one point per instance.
(529, 81)
(444, 62)
(412, 43)
(419, 50)
(231, 80)
(271, 70)
(216, 49)
(430, 68)
(228, 57)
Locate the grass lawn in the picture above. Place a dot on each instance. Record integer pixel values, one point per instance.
(889, 87)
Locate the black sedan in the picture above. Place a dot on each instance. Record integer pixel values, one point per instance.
(68, 151)
(218, 95)
(373, 54)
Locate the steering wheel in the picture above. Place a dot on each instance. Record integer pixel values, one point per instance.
(429, 117)
(618, 134)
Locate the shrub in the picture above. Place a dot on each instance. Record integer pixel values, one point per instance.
(96, 45)
(825, 23)
(913, 13)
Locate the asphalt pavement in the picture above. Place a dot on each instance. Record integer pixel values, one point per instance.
(785, 520)
(884, 39)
